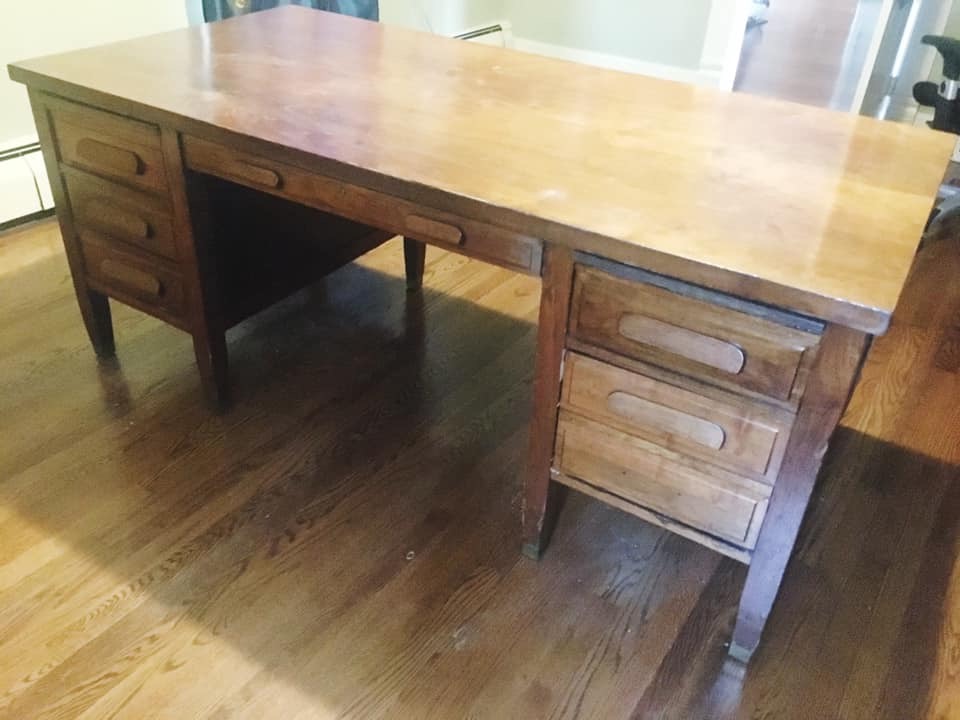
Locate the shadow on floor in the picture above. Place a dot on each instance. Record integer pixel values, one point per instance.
(344, 541)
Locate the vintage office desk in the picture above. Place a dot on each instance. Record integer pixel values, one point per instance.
(713, 265)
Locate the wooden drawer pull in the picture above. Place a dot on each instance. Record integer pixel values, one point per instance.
(115, 221)
(666, 419)
(422, 228)
(137, 280)
(256, 174)
(100, 154)
(692, 345)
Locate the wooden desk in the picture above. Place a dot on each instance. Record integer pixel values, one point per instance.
(713, 265)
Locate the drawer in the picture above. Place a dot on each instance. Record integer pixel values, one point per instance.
(149, 284)
(370, 207)
(726, 346)
(718, 503)
(109, 145)
(120, 213)
(732, 432)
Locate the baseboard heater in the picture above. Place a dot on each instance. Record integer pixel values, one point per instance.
(24, 188)
(19, 151)
(480, 32)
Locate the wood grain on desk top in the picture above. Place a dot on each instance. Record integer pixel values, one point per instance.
(788, 204)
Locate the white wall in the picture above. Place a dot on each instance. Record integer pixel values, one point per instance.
(29, 28)
(670, 32)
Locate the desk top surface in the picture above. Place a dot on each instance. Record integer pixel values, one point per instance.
(816, 210)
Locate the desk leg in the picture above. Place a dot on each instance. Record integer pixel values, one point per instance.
(95, 309)
(193, 235)
(414, 258)
(211, 354)
(829, 386)
(539, 493)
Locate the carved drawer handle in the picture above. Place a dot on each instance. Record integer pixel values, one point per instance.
(423, 228)
(119, 160)
(666, 419)
(143, 283)
(114, 220)
(256, 174)
(704, 349)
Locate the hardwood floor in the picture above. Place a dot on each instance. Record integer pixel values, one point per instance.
(345, 540)
(798, 54)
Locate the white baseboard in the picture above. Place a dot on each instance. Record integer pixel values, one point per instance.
(696, 76)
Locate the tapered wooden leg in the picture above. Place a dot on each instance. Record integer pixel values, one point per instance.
(414, 258)
(829, 386)
(95, 309)
(554, 310)
(211, 352)
(193, 235)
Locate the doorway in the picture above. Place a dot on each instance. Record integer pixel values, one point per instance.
(808, 51)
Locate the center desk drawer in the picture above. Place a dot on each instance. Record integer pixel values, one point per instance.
(736, 433)
(718, 503)
(723, 345)
(370, 207)
(120, 213)
(109, 145)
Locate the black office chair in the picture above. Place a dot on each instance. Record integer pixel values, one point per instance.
(944, 98)
(759, 14)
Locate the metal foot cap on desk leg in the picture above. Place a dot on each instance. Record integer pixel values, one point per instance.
(740, 653)
(105, 351)
(218, 397)
(532, 550)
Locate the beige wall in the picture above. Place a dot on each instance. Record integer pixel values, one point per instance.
(668, 32)
(686, 39)
(29, 28)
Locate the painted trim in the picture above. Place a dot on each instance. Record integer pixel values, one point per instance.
(194, 12)
(697, 76)
(723, 41)
(24, 219)
(871, 60)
